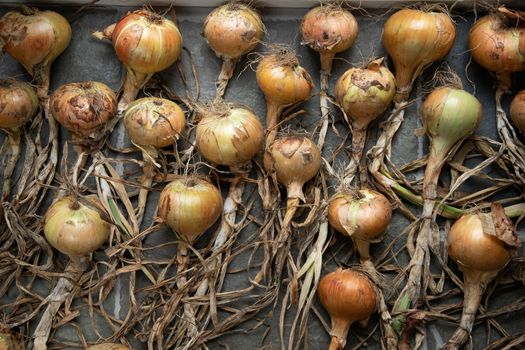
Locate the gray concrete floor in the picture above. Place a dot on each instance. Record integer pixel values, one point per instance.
(88, 59)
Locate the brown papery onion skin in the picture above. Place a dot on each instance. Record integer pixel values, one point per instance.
(18, 103)
(154, 122)
(498, 44)
(414, 39)
(329, 29)
(84, 108)
(229, 137)
(9, 342)
(295, 160)
(348, 296)
(364, 216)
(190, 206)
(232, 30)
(76, 228)
(108, 346)
(35, 39)
(517, 111)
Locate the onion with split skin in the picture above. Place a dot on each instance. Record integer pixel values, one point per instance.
(284, 82)
(482, 244)
(348, 296)
(232, 30)
(146, 43)
(18, 104)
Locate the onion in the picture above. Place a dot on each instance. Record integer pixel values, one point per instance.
(76, 227)
(229, 135)
(18, 104)
(84, 108)
(190, 206)
(481, 244)
(35, 39)
(364, 216)
(9, 342)
(348, 296)
(414, 39)
(146, 43)
(363, 94)
(152, 123)
(517, 111)
(232, 30)
(284, 82)
(329, 29)
(108, 346)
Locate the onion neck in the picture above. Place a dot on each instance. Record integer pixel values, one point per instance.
(356, 154)
(327, 58)
(273, 112)
(227, 70)
(295, 191)
(133, 82)
(433, 169)
(41, 73)
(339, 332)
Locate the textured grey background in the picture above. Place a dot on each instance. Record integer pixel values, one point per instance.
(88, 59)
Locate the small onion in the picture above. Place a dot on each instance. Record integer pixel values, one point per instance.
(348, 296)
(108, 346)
(76, 228)
(229, 137)
(284, 82)
(190, 206)
(364, 216)
(295, 160)
(154, 122)
(35, 39)
(84, 108)
(18, 103)
(9, 342)
(232, 30)
(482, 244)
(517, 111)
(329, 29)
(415, 39)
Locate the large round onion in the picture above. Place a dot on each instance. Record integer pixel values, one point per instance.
(18, 103)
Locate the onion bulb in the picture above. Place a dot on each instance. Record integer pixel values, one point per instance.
(364, 216)
(154, 123)
(232, 30)
(190, 206)
(146, 43)
(35, 39)
(328, 29)
(363, 94)
(9, 342)
(229, 135)
(108, 346)
(517, 111)
(295, 160)
(481, 244)
(18, 103)
(84, 108)
(284, 82)
(414, 39)
(76, 227)
(348, 296)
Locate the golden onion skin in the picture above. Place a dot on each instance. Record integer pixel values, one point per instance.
(18, 103)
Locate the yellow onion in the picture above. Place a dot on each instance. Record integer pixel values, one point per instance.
(108, 346)
(9, 342)
(284, 82)
(229, 135)
(18, 103)
(295, 160)
(35, 39)
(497, 42)
(190, 206)
(364, 216)
(146, 43)
(84, 108)
(154, 122)
(328, 29)
(76, 227)
(348, 296)
(481, 244)
(414, 39)
(517, 111)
